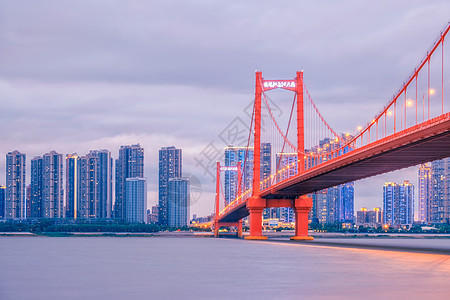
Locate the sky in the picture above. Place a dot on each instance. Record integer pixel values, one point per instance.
(82, 75)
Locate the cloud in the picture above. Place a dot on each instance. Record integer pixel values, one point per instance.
(78, 75)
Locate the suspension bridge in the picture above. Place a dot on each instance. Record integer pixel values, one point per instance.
(412, 128)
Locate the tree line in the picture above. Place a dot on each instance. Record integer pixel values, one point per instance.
(38, 226)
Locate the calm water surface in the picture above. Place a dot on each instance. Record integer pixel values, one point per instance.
(206, 268)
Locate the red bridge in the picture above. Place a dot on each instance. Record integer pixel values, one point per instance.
(413, 128)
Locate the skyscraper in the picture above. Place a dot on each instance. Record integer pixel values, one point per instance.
(398, 201)
(36, 187)
(361, 216)
(178, 203)
(406, 203)
(266, 161)
(46, 189)
(28, 201)
(335, 204)
(369, 218)
(390, 202)
(136, 200)
(94, 184)
(71, 185)
(86, 186)
(105, 179)
(52, 187)
(89, 185)
(234, 155)
(425, 192)
(320, 206)
(170, 166)
(129, 164)
(439, 206)
(345, 204)
(15, 185)
(2, 201)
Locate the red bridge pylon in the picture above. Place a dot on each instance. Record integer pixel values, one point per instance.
(217, 223)
(255, 204)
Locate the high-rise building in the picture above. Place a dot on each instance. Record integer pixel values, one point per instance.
(89, 185)
(406, 202)
(439, 206)
(369, 218)
(36, 187)
(345, 203)
(332, 200)
(94, 186)
(88, 188)
(170, 166)
(266, 162)
(46, 189)
(2, 201)
(390, 202)
(425, 192)
(361, 216)
(335, 204)
(233, 156)
(136, 200)
(52, 187)
(398, 201)
(105, 180)
(320, 206)
(15, 205)
(71, 185)
(130, 164)
(178, 202)
(28, 196)
(374, 217)
(434, 192)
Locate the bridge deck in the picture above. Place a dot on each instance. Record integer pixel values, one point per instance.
(422, 143)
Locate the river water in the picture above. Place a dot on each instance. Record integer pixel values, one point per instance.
(206, 268)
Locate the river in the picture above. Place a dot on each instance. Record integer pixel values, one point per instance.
(207, 268)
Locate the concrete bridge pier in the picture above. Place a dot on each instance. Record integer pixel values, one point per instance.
(255, 206)
(302, 206)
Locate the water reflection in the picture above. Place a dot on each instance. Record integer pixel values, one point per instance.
(205, 268)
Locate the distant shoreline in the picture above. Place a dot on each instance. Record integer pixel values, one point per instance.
(317, 235)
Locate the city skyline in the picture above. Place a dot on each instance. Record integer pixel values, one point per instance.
(150, 203)
(116, 100)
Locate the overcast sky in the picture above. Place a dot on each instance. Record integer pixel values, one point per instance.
(82, 75)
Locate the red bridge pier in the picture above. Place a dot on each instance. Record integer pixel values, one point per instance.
(302, 206)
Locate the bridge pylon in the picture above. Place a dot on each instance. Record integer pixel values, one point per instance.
(217, 223)
(255, 204)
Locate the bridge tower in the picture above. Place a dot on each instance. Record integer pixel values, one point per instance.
(255, 204)
(217, 223)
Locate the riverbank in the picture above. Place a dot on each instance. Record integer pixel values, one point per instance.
(269, 234)
(106, 234)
